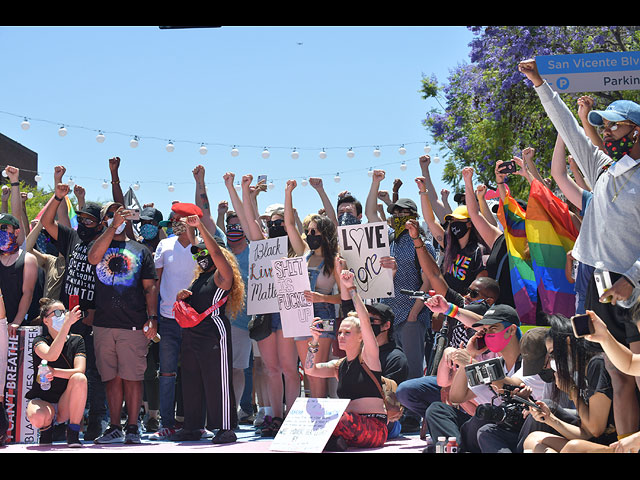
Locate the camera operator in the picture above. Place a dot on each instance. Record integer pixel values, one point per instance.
(500, 329)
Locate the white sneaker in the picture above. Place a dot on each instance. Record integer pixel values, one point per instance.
(111, 435)
(162, 434)
(259, 417)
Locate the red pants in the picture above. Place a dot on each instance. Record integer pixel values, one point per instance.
(362, 431)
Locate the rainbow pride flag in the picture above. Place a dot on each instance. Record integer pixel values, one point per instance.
(551, 234)
(73, 216)
(523, 280)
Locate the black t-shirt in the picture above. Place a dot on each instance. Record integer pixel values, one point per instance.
(498, 269)
(73, 347)
(465, 266)
(120, 298)
(204, 294)
(79, 277)
(599, 381)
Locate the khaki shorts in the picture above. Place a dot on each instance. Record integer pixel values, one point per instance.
(120, 353)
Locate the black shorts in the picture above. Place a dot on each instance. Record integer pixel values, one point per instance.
(616, 318)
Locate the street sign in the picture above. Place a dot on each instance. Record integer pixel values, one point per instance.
(591, 72)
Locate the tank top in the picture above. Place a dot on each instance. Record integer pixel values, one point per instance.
(11, 277)
(354, 382)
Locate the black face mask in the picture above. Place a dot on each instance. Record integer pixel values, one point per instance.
(314, 241)
(547, 375)
(377, 328)
(205, 263)
(459, 229)
(85, 233)
(277, 231)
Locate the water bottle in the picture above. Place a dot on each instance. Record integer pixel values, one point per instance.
(441, 445)
(602, 280)
(452, 445)
(43, 369)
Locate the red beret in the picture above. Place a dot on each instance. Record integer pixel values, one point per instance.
(186, 209)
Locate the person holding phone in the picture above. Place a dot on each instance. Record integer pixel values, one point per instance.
(65, 355)
(580, 373)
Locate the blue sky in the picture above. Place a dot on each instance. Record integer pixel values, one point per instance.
(277, 87)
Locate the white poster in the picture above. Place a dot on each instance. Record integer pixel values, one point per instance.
(261, 292)
(291, 278)
(362, 246)
(309, 425)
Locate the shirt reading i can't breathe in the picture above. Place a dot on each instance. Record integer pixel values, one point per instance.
(120, 298)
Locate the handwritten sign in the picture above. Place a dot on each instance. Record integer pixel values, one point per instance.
(362, 246)
(309, 425)
(261, 292)
(291, 278)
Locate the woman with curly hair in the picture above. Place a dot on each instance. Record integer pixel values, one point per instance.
(206, 352)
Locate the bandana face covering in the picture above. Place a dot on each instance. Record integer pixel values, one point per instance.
(400, 223)
(148, 231)
(617, 149)
(179, 228)
(8, 243)
(235, 233)
(348, 219)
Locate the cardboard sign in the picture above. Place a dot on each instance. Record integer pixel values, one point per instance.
(309, 425)
(291, 278)
(362, 246)
(261, 292)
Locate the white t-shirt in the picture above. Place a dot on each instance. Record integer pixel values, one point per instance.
(178, 267)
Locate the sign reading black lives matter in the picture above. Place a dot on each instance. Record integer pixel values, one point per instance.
(362, 246)
(291, 278)
(261, 291)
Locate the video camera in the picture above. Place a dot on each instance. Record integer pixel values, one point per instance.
(484, 373)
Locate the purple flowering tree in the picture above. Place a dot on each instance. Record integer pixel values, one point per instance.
(490, 112)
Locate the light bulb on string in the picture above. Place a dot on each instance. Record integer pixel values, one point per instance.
(402, 150)
(37, 178)
(427, 149)
(403, 166)
(30, 195)
(62, 131)
(370, 172)
(436, 159)
(71, 183)
(171, 188)
(295, 155)
(322, 154)
(265, 153)
(376, 152)
(134, 142)
(100, 137)
(350, 153)
(136, 186)
(305, 182)
(170, 146)
(238, 186)
(337, 178)
(105, 184)
(235, 152)
(203, 149)
(25, 124)
(271, 185)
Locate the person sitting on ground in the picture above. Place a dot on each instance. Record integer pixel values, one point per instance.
(364, 423)
(64, 353)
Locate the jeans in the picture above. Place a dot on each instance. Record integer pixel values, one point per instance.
(410, 336)
(96, 395)
(171, 334)
(416, 394)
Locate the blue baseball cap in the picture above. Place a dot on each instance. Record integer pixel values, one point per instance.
(616, 112)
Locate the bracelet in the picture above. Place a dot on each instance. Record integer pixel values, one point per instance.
(313, 348)
(152, 317)
(424, 193)
(15, 184)
(115, 182)
(452, 311)
(57, 198)
(500, 183)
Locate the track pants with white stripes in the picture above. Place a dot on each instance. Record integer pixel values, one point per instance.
(207, 386)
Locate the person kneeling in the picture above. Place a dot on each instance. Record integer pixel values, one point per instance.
(65, 355)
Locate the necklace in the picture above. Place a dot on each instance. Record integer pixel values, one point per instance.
(635, 169)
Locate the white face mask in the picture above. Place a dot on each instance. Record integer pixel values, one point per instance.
(57, 322)
(119, 229)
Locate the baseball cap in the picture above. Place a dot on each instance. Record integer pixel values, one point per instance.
(92, 208)
(616, 112)
(202, 246)
(151, 214)
(8, 219)
(460, 213)
(382, 310)
(403, 203)
(498, 314)
(106, 207)
(533, 350)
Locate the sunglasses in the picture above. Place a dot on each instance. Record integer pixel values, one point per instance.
(201, 253)
(57, 313)
(87, 221)
(613, 126)
(311, 232)
(274, 223)
(473, 293)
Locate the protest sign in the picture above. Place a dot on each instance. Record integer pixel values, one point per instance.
(291, 278)
(261, 293)
(362, 246)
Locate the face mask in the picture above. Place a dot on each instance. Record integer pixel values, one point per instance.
(235, 233)
(277, 231)
(314, 241)
(57, 321)
(120, 229)
(348, 219)
(86, 233)
(400, 223)
(44, 244)
(205, 263)
(179, 228)
(496, 341)
(617, 149)
(459, 229)
(547, 375)
(148, 231)
(8, 243)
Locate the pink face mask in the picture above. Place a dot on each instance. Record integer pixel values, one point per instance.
(496, 341)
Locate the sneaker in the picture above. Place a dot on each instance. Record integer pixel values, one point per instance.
(271, 430)
(151, 425)
(259, 418)
(46, 436)
(245, 418)
(113, 434)
(224, 436)
(184, 435)
(266, 421)
(163, 434)
(73, 438)
(132, 434)
(205, 434)
(93, 430)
